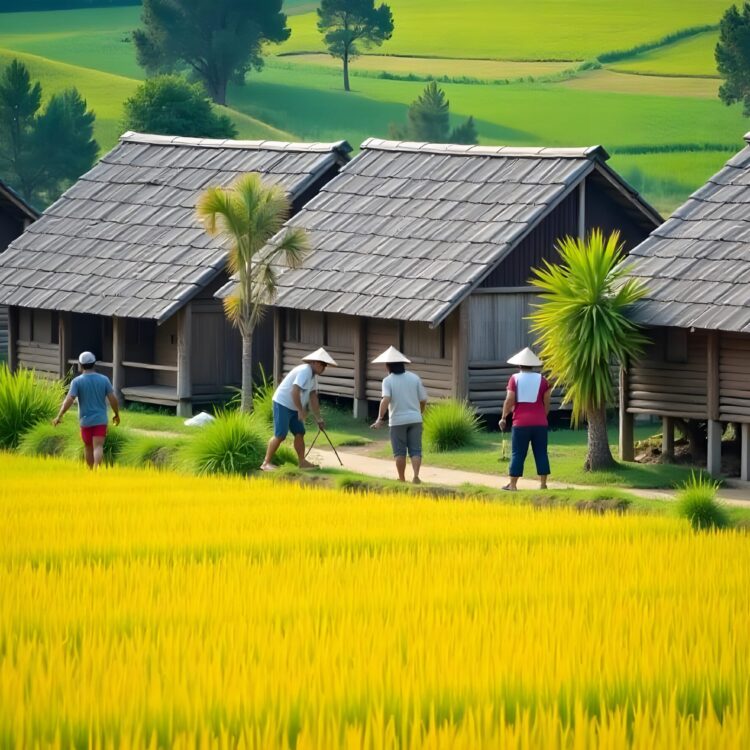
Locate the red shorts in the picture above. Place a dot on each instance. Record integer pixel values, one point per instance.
(89, 433)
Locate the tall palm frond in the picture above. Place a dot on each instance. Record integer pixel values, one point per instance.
(581, 323)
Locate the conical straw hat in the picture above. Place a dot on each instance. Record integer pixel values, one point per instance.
(525, 358)
(391, 355)
(320, 355)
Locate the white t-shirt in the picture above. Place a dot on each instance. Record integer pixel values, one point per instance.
(405, 391)
(302, 376)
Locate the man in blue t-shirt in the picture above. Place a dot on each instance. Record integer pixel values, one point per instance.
(92, 390)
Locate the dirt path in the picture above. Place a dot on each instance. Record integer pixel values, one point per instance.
(384, 469)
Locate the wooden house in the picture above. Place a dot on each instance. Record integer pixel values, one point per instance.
(121, 266)
(429, 247)
(15, 215)
(696, 267)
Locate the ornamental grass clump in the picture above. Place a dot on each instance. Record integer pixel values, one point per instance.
(450, 424)
(263, 400)
(43, 439)
(697, 502)
(25, 400)
(232, 444)
(152, 452)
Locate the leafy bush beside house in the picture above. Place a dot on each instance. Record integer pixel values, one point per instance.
(450, 424)
(25, 400)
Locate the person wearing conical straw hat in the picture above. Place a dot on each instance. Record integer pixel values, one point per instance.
(528, 399)
(404, 400)
(295, 394)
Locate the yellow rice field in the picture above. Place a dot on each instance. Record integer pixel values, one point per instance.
(150, 610)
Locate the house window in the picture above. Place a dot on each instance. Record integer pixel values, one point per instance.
(292, 325)
(676, 349)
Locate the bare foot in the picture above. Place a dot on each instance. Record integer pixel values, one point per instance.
(416, 480)
(265, 466)
(308, 465)
(542, 486)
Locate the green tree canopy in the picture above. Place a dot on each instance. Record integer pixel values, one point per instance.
(246, 215)
(583, 328)
(217, 40)
(428, 119)
(350, 25)
(169, 105)
(41, 153)
(733, 56)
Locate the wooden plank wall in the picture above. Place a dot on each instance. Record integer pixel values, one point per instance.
(165, 352)
(421, 344)
(734, 377)
(337, 381)
(670, 388)
(43, 358)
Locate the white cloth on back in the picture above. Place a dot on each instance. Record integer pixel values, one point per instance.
(302, 376)
(527, 387)
(405, 391)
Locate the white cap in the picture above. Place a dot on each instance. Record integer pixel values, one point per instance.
(86, 358)
(320, 355)
(525, 358)
(391, 355)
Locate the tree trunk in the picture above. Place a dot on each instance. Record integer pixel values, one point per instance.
(247, 373)
(217, 90)
(599, 455)
(346, 72)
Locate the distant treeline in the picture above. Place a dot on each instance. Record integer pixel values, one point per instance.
(11, 6)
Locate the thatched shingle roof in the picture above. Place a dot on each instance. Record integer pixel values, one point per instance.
(407, 230)
(696, 265)
(124, 240)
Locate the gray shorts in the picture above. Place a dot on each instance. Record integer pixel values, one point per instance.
(407, 437)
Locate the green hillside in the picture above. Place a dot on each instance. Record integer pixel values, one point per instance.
(528, 30)
(517, 72)
(105, 94)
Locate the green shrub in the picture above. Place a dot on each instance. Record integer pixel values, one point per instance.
(155, 452)
(25, 399)
(697, 502)
(116, 440)
(263, 400)
(232, 444)
(43, 439)
(450, 424)
(285, 455)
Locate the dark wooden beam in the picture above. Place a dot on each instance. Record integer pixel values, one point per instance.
(627, 438)
(13, 338)
(184, 361)
(460, 352)
(360, 367)
(118, 354)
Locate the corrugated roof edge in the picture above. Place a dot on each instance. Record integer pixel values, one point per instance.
(598, 153)
(131, 136)
(16, 199)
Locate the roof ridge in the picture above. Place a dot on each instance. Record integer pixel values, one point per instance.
(132, 136)
(597, 152)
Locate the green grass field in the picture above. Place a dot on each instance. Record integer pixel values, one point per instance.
(425, 66)
(301, 96)
(689, 57)
(530, 30)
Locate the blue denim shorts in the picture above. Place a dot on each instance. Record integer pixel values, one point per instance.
(286, 420)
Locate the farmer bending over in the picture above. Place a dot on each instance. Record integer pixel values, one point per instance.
(297, 392)
(92, 390)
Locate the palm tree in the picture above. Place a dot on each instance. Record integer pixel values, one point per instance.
(248, 214)
(582, 326)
